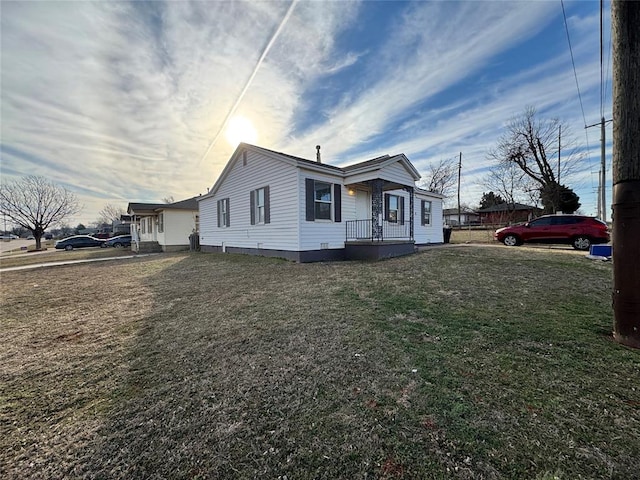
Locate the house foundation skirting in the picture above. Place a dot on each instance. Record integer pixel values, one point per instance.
(155, 247)
(146, 247)
(355, 251)
(306, 256)
(377, 250)
(175, 248)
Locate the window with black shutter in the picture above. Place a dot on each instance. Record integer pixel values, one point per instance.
(223, 213)
(260, 206)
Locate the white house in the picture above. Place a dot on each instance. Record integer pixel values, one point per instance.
(465, 216)
(273, 204)
(163, 226)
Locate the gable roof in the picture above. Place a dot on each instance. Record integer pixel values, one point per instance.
(343, 172)
(465, 210)
(428, 193)
(507, 207)
(150, 208)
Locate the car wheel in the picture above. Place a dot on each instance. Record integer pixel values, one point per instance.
(511, 241)
(117, 245)
(581, 243)
(68, 247)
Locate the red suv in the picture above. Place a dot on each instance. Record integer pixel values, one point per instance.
(579, 231)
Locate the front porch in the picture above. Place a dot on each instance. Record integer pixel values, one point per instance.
(373, 240)
(377, 250)
(372, 230)
(384, 221)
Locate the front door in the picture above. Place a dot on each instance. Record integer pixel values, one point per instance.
(363, 205)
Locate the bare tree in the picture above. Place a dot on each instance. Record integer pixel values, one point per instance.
(168, 199)
(35, 203)
(110, 213)
(441, 177)
(506, 180)
(532, 145)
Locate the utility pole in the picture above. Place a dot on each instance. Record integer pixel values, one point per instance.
(557, 195)
(602, 174)
(559, 148)
(625, 18)
(459, 170)
(603, 167)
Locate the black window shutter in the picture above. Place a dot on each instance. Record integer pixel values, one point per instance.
(228, 212)
(219, 215)
(337, 202)
(267, 205)
(401, 212)
(422, 212)
(386, 207)
(310, 199)
(252, 202)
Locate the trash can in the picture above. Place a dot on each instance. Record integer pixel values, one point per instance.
(446, 233)
(194, 242)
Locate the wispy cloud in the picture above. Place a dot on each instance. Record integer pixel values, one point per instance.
(121, 100)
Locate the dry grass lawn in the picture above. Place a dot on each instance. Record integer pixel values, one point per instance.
(459, 362)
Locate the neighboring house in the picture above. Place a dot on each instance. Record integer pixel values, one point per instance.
(507, 213)
(273, 204)
(121, 226)
(162, 226)
(466, 217)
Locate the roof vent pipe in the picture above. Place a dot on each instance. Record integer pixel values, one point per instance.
(318, 154)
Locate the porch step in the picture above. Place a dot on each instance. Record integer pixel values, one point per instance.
(147, 247)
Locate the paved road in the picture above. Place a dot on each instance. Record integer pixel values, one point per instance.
(71, 262)
(15, 244)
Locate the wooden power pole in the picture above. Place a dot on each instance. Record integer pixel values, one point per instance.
(459, 170)
(625, 18)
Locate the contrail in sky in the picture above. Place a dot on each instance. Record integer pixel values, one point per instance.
(248, 84)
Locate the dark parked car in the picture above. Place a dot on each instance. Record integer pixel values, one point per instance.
(579, 231)
(119, 241)
(78, 241)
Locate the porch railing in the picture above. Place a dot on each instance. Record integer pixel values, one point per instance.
(364, 230)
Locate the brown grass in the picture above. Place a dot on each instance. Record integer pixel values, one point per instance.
(456, 362)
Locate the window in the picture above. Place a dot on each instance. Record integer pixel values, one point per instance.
(425, 212)
(393, 207)
(260, 206)
(224, 219)
(541, 222)
(143, 225)
(323, 200)
(161, 223)
(197, 229)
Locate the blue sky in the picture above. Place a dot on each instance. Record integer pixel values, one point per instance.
(128, 101)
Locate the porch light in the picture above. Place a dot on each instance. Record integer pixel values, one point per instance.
(351, 191)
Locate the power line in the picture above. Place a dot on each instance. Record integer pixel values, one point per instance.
(575, 74)
(573, 63)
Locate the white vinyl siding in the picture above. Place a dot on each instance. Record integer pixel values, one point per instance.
(323, 234)
(281, 233)
(431, 233)
(178, 225)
